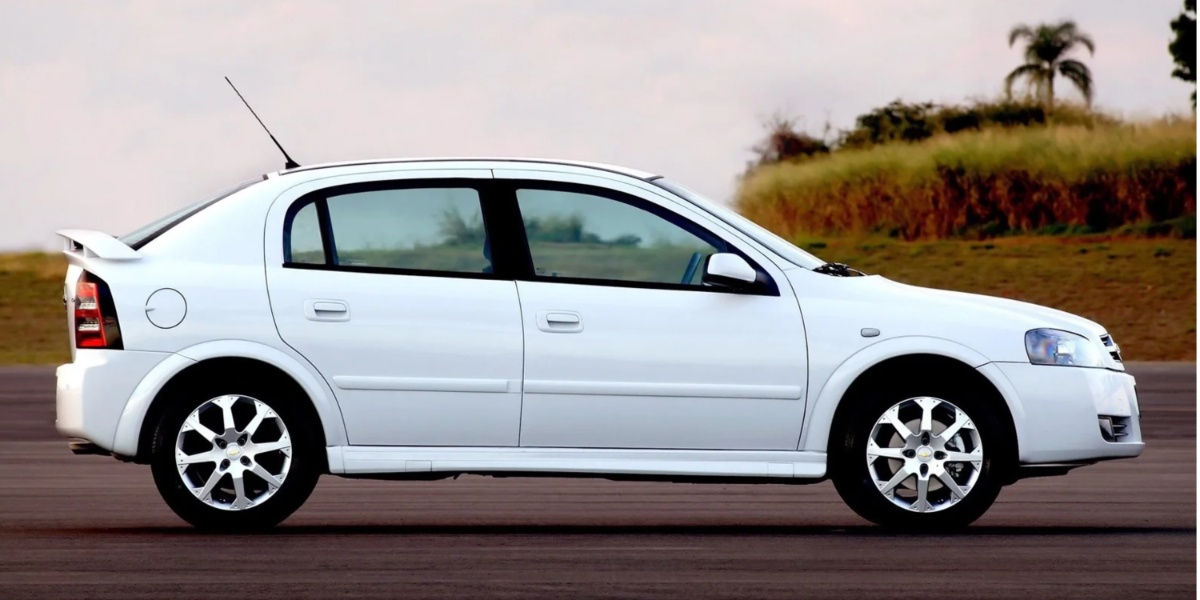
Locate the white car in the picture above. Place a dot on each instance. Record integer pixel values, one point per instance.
(421, 319)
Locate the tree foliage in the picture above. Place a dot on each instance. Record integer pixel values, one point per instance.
(1183, 46)
(900, 121)
(785, 141)
(1047, 47)
(457, 230)
(896, 121)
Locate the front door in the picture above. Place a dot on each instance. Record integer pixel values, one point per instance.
(624, 348)
(389, 290)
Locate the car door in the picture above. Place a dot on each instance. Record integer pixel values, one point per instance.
(388, 288)
(625, 348)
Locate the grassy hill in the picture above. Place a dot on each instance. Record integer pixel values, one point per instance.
(1139, 178)
(1143, 290)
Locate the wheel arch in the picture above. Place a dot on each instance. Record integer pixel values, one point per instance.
(904, 358)
(204, 360)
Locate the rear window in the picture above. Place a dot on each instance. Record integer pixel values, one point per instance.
(146, 234)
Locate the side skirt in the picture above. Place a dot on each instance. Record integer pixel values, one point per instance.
(739, 466)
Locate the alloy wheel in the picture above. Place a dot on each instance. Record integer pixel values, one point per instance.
(924, 454)
(233, 452)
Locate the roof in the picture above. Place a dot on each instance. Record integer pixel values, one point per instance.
(644, 175)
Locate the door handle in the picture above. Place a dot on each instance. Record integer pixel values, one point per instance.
(559, 321)
(330, 307)
(326, 310)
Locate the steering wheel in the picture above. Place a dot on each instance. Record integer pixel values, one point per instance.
(693, 264)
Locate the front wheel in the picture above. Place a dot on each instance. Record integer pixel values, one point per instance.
(234, 461)
(920, 461)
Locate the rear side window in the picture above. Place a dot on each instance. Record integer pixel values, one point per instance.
(305, 237)
(428, 229)
(146, 234)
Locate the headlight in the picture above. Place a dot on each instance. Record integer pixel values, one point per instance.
(1054, 347)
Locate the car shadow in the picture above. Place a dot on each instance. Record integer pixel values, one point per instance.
(642, 530)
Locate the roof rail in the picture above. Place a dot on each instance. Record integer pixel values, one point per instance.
(567, 163)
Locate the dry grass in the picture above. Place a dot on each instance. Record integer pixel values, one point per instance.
(1142, 290)
(981, 184)
(33, 325)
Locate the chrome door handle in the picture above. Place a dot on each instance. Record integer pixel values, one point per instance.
(559, 321)
(326, 310)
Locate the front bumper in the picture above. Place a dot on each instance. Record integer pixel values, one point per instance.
(1057, 411)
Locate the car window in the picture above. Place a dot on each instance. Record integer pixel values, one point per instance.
(780, 246)
(304, 243)
(423, 229)
(581, 235)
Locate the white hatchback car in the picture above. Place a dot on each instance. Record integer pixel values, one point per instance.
(421, 319)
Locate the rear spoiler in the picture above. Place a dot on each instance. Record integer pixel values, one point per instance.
(96, 244)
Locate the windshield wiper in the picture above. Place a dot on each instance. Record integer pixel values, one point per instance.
(838, 270)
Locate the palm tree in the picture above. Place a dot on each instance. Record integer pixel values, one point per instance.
(1046, 49)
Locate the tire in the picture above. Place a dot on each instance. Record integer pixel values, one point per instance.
(861, 481)
(278, 458)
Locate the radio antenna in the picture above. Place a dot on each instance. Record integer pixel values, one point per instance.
(289, 164)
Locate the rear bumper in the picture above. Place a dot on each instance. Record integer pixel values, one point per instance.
(1057, 411)
(93, 390)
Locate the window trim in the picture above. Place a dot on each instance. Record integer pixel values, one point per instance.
(512, 259)
(765, 286)
(501, 263)
(393, 271)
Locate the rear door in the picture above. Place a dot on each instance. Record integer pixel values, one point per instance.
(389, 289)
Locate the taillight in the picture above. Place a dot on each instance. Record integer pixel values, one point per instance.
(96, 324)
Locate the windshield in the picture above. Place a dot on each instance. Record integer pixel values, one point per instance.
(145, 234)
(777, 244)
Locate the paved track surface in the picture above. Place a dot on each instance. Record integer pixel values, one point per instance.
(90, 527)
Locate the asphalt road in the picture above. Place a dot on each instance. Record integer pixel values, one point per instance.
(90, 527)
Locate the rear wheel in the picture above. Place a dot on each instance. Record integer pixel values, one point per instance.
(920, 461)
(235, 461)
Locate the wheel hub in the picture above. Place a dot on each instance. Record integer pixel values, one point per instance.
(233, 452)
(932, 454)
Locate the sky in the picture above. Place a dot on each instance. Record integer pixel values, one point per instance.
(115, 113)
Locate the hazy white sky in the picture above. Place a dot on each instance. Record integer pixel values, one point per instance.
(115, 112)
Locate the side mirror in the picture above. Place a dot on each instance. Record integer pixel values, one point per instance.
(728, 270)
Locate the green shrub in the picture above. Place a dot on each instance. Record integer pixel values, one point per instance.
(901, 121)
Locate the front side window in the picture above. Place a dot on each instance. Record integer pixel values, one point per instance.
(585, 236)
(775, 243)
(410, 229)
